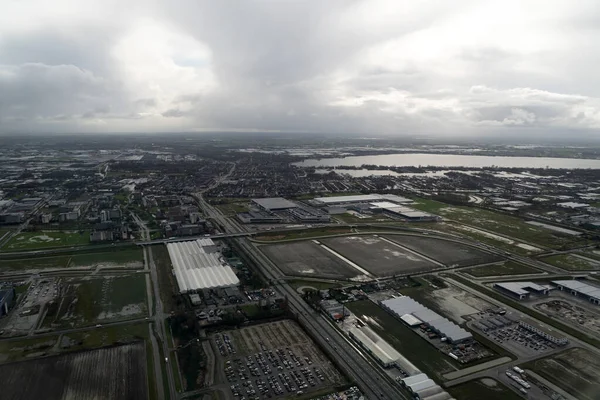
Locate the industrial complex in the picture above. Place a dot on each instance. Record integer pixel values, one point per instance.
(581, 289)
(197, 265)
(414, 313)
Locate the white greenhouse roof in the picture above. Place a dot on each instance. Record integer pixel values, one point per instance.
(379, 347)
(194, 269)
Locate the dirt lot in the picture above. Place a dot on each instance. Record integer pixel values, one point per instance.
(83, 301)
(455, 303)
(109, 373)
(577, 371)
(567, 311)
(502, 268)
(449, 253)
(276, 358)
(486, 388)
(308, 259)
(378, 256)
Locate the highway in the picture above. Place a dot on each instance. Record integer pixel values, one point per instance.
(159, 335)
(372, 381)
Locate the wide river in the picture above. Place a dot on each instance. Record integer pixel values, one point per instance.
(452, 160)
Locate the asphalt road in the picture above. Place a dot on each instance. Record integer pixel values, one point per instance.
(67, 331)
(159, 335)
(373, 382)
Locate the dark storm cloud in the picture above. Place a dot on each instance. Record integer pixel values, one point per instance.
(389, 67)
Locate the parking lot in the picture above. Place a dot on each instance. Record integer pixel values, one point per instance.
(273, 360)
(512, 336)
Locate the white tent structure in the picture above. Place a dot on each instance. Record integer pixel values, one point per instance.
(196, 268)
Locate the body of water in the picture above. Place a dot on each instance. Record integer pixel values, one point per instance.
(452, 160)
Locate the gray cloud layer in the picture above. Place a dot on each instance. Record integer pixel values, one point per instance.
(362, 66)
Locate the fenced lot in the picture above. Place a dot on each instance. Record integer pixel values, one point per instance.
(308, 259)
(377, 256)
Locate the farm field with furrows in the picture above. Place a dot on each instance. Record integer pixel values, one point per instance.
(116, 373)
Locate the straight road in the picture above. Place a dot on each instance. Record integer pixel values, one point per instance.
(159, 336)
(373, 382)
(67, 331)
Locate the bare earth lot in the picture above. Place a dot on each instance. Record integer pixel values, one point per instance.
(308, 259)
(449, 253)
(378, 256)
(576, 370)
(109, 373)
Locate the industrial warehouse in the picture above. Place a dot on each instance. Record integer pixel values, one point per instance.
(197, 265)
(417, 383)
(365, 198)
(424, 388)
(383, 352)
(388, 204)
(278, 210)
(521, 290)
(581, 289)
(414, 313)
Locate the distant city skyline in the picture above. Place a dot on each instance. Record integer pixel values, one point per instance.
(376, 68)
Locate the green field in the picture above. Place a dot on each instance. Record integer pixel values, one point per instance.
(24, 349)
(422, 354)
(576, 370)
(44, 239)
(233, 208)
(166, 281)
(488, 389)
(506, 268)
(86, 302)
(571, 262)
(35, 263)
(130, 257)
(133, 257)
(593, 254)
(16, 350)
(499, 223)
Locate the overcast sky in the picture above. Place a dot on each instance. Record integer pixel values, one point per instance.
(369, 67)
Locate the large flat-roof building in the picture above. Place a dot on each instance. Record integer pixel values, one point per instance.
(403, 211)
(520, 290)
(383, 352)
(579, 289)
(363, 198)
(402, 307)
(274, 204)
(422, 387)
(198, 267)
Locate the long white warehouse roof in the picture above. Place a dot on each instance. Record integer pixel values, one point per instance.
(401, 306)
(363, 198)
(196, 269)
(379, 347)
